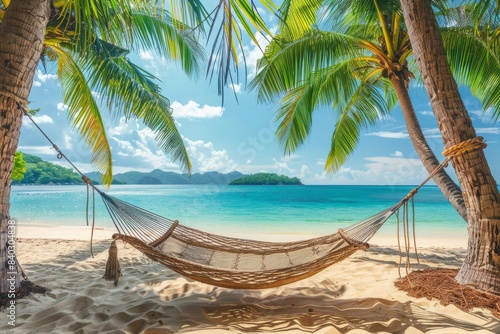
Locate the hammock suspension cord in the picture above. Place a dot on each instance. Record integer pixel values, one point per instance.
(241, 263)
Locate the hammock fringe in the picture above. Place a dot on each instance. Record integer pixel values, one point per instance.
(113, 270)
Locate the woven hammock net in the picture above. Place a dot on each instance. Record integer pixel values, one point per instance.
(232, 262)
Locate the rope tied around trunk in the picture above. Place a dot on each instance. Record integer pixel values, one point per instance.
(18, 100)
(409, 215)
(464, 147)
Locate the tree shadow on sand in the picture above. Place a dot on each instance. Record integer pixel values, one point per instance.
(309, 311)
(152, 299)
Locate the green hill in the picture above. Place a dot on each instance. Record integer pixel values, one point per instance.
(39, 171)
(158, 176)
(266, 179)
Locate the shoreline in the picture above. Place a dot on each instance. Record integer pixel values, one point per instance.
(384, 238)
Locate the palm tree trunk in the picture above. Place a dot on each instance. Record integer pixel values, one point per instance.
(22, 34)
(447, 186)
(481, 267)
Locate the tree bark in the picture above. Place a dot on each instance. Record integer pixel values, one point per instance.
(22, 34)
(481, 267)
(447, 186)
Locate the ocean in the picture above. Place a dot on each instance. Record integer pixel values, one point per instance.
(306, 210)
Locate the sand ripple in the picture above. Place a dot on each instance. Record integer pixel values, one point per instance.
(353, 296)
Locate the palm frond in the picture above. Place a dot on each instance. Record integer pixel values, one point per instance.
(297, 17)
(130, 90)
(342, 14)
(337, 87)
(191, 13)
(365, 108)
(287, 64)
(84, 113)
(295, 114)
(228, 21)
(476, 65)
(173, 41)
(93, 16)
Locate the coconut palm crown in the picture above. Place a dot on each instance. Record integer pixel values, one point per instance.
(91, 40)
(342, 55)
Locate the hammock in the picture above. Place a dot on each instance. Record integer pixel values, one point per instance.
(240, 263)
(231, 262)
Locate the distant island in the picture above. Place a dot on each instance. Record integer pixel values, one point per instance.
(39, 171)
(266, 179)
(158, 176)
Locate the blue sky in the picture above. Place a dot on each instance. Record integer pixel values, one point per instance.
(240, 135)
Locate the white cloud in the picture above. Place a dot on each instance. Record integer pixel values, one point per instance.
(384, 164)
(281, 167)
(427, 113)
(389, 134)
(38, 119)
(124, 145)
(495, 131)
(43, 119)
(397, 154)
(254, 52)
(44, 77)
(96, 95)
(37, 83)
(432, 133)
(485, 116)
(146, 55)
(43, 150)
(67, 141)
(62, 107)
(194, 110)
(146, 135)
(140, 152)
(304, 171)
(143, 152)
(207, 158)
(153, 62)
(124, 127)
(378, 170)
(236, 88)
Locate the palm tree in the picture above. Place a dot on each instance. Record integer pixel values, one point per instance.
(357, 69)
(90, 40)
(313, 67)
(482, 262)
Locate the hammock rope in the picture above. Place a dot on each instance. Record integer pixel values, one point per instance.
(242, 263)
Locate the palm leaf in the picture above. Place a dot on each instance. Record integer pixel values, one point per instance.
(297, 17)
(287, 64)
(365, 107)
(476, 65)
(84, 113)
(130, 90)
(295, 114)
(150, 32)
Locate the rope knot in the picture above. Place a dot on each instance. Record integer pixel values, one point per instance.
(465, 146)
(86, 179)
(410, 194)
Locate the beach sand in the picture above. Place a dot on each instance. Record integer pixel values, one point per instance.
(356, 295)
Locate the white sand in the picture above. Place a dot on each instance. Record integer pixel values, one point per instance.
(356, 295)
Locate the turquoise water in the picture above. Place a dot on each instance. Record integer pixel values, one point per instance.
(253, 209)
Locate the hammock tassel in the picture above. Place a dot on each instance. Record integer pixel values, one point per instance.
(113, 271)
